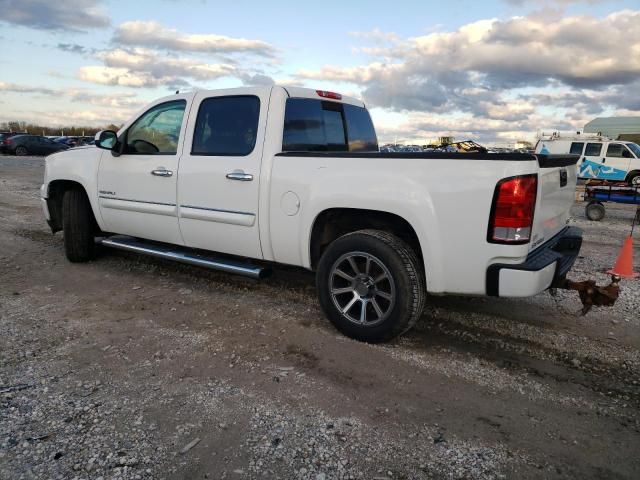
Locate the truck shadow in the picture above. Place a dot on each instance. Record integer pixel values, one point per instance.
(494, 330)
(513, 336)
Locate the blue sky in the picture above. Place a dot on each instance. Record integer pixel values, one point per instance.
(492, 71)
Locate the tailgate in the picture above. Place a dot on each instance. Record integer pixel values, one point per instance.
(557, 179)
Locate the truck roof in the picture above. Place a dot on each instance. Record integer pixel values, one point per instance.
(300, 92)
(557, 136)
(293, 92)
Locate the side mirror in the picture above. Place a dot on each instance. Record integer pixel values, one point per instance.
(106, 139)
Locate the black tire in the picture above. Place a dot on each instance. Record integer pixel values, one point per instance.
(595, 211)
(78, 226)
(21, 151)
(406, 284)
(634, 179)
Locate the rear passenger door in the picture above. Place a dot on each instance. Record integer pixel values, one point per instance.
(219, 172)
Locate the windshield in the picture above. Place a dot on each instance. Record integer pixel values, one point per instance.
(635, 148)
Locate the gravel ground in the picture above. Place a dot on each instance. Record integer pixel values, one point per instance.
(131, 367)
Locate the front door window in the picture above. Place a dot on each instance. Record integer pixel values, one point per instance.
(157, 131)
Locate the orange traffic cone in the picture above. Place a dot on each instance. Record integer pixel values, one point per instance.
(624, 264)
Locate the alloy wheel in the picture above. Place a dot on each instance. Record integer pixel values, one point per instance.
(362, 288)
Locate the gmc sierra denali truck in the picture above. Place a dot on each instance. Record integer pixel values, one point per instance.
(239, 179)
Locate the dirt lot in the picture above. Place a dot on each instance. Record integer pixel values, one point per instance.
(130, 367)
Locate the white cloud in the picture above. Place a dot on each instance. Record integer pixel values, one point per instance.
(15, 88)
(54, 15)
(507, 54)
(496, 73)
(66, 117)
(114, 107)
(116, 76)
(78, 95)
(146, 68)
(120, 100)
(154, 35)
(148, 54)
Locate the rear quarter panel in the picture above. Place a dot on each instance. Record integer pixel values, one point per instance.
(447, 201)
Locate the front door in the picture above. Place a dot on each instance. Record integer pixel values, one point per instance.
(137, 189)
(219, 180)
(615, 165)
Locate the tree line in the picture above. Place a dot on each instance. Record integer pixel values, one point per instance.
(71, 131)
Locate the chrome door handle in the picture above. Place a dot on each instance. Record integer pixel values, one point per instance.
(161, 172)
(240, 175)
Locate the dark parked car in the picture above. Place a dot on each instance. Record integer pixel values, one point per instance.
(31, 145)
(4, 135)
(74, 141)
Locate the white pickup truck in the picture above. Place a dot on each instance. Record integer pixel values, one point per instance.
(294, 176)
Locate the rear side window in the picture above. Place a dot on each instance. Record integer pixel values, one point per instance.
(362, 135)
(322, 126)
(593, 150)
(226, 126)
(576, 148)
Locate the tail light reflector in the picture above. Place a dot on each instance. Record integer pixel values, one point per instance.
(514, 202)
(332, 95)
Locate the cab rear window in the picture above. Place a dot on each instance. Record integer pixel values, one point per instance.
(322, 126)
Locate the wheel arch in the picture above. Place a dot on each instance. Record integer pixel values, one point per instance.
(631, 174)
(55, 193)
(332, 223)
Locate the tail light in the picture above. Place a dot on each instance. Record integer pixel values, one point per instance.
(332, 95)
(6, 141)
(514, 202)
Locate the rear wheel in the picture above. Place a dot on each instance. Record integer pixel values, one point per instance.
(21, 151)
(370, 285)
(595, 211)
(78, 226)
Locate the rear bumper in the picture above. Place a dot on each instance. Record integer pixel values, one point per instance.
(544, 267)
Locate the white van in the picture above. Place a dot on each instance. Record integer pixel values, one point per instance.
(600, 157)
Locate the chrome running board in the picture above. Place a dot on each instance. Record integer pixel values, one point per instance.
(184, 255)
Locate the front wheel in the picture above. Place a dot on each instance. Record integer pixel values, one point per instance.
(370, 285)
(634, 179)
(78, 226)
